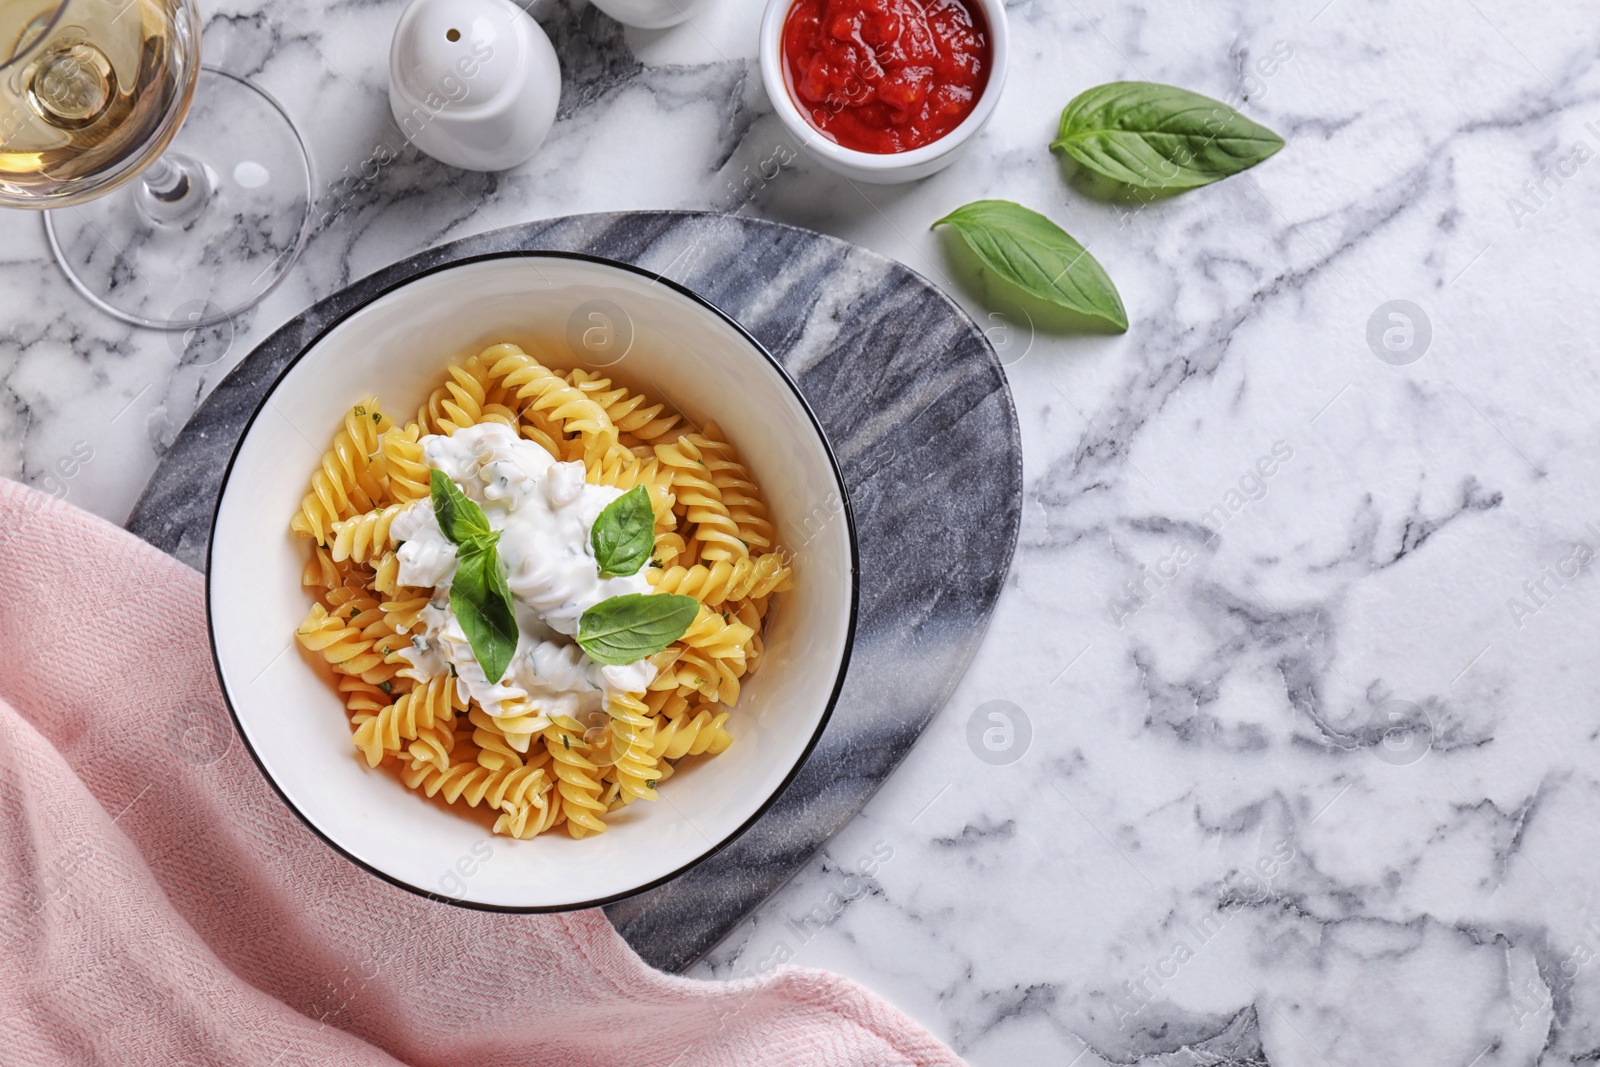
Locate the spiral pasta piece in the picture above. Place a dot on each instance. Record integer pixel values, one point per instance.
(506, 789)
(544, 392)
(749, 613)
(386, 574)
(458, 402)
(535, 809)
(494, 750)
(320, 570)
(634, 739)
(606, 468)
(736, 488)
(689, 670)
(726, 580)
(718, 636)
(668, 702)
(378, 628)
(576, 781)
(499, 413)
(515, 787)
(404, 614)
(364, 536)
(421, 709)
(716, 645)
(729, 673)
(360, 614)
(342, 644)
(403, 462)
(532, 819)
(670, 549)
(714, 528)
(631, 413)
(713, 679)
(362, 697)
(692, 735)
(344, 483)
(433, 745)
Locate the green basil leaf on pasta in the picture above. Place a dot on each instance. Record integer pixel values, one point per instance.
(627, 628)
(625, 534)
(1038, 257)
(482, 604)
(1159, 136)
(460, 518)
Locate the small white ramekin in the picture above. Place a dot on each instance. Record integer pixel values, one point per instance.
(886, 168)
(651, 14)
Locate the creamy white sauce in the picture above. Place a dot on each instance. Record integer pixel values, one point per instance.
(544, 511)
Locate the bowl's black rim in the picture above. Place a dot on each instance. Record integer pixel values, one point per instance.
(850, 630)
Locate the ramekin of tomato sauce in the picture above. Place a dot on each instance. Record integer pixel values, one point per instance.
(884, 90)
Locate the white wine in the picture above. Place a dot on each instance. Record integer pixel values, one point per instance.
(91, 91)
(92, 95)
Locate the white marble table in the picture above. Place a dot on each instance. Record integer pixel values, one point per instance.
(1304, 761)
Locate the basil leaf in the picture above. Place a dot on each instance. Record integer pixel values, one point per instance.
(1039, 257)
(630, 627)
(482, 604)
(479, 596)
(1160, 137)
(624, 534)
(460, 518)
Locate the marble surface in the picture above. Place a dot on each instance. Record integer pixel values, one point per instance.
(1324, 792)
(915, 405)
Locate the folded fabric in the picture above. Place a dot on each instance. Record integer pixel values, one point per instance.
(160, 905)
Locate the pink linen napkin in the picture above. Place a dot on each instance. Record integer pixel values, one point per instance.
(160, 905)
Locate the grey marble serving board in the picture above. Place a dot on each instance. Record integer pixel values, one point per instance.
(915, 404)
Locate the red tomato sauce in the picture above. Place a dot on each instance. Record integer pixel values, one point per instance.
(886, 76)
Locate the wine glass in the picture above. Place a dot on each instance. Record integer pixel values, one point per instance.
(177, 194)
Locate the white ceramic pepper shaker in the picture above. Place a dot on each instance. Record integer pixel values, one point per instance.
(650, 14)
(473, 83)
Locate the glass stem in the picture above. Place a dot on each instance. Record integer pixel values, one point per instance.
(174, 190)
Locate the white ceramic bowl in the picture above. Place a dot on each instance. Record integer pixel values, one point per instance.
(875, 168)
(649, 333)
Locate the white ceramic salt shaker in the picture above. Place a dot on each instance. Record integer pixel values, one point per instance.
(473, 83)
(650, 14)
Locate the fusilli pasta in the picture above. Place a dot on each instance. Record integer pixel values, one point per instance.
(713, 541)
